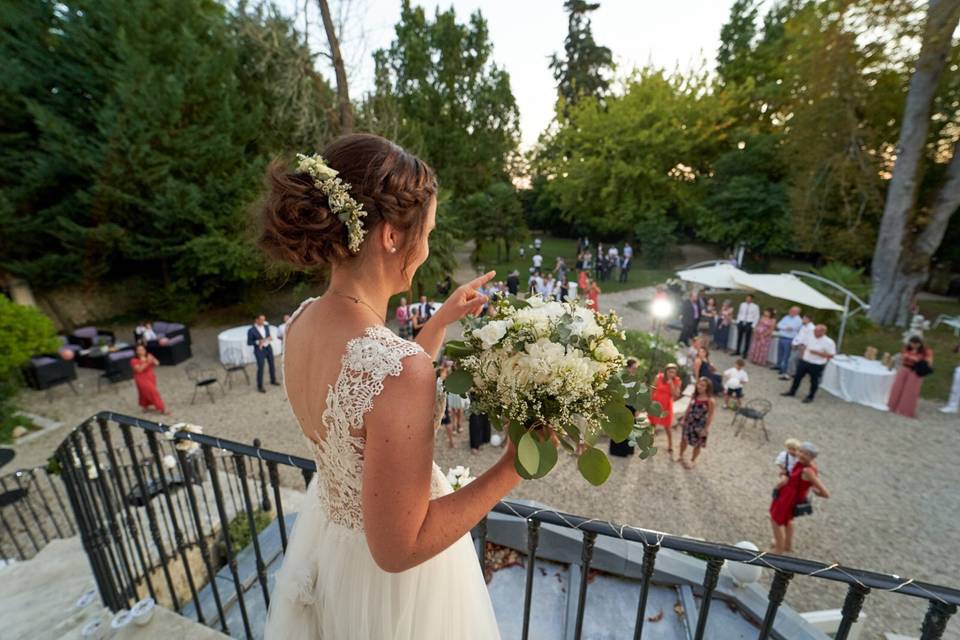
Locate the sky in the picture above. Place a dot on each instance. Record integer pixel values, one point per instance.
(665, 33)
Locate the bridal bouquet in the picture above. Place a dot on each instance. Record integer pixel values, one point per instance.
(550, 374)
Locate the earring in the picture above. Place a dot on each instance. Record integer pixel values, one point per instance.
(393, 249)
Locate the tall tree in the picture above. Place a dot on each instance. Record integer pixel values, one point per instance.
(140, 134)
(585, 66)
(908, 237)
(452, 103)
(736, 51)
(634, 165)
(339, 69)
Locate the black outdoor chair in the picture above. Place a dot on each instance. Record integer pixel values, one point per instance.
(232, 361)
(755, 410)
(203, 379)
(117, 369)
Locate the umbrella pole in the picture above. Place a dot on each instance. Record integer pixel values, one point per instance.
(843, 321)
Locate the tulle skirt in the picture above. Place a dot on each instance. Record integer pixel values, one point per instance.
(330, 587)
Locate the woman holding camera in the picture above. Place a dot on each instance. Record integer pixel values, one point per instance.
(792, 501)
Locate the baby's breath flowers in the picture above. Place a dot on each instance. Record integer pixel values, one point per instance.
(550, 374)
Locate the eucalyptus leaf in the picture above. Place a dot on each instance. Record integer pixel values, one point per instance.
(618, 422)
(459, 382)
(520, 470)
(594, 466)
(515, 430)
(548, 457)
(656, 410)
(458, 349)
(528, 453)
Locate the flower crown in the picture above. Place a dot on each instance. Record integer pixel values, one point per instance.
(347, 210)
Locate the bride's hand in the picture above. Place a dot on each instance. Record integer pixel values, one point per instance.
(464, 301)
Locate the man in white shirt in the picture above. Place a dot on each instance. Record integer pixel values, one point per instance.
(788, 328)
(748, 315)
(537, 260)
(796, 347)
(817, 351)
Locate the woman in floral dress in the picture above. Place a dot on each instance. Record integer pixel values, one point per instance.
(697, 421)
(762, 334)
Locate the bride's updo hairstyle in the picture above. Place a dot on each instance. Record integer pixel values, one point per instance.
(391, 184)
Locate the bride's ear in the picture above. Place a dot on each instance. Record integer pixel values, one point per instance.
(390, 238)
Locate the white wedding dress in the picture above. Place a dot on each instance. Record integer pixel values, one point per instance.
(329, 585)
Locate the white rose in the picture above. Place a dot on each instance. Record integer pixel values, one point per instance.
(535, 301)
(606, 351)
(492, 333)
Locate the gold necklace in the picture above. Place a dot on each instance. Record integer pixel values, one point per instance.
(357, 300)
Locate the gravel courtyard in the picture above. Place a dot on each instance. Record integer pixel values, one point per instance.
(894, 507)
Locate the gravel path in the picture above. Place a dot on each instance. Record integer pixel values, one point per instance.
(895, 504)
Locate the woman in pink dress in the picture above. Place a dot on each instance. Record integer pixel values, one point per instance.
(666, 388)
(146, 380)
(792, 491)
(762, 334)
(906, 386)
(404, 328)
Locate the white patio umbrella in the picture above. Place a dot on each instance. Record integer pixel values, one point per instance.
(787, 287)
(721, 276)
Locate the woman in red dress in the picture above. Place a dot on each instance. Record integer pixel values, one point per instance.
(593, 295)
(792, 491)
(906, 386)
(666, 388)
(146, 380)
(762, 334)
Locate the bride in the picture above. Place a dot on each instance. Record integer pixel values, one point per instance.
(381, 547)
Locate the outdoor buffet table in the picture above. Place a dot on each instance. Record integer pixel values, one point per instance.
(856, 379)
(234, 349)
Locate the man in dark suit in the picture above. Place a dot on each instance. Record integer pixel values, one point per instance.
(690, 316)
(513, 282)
(258, 337)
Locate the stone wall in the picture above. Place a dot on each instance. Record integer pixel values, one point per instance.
(76, 306)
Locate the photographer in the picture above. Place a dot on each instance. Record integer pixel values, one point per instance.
(792, 500)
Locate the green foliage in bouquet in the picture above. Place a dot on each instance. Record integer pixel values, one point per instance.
(550, 375)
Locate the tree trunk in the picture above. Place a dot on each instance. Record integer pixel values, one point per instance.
(343, 94)
(894, 255)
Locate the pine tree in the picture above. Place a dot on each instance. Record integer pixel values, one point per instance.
(585, 67)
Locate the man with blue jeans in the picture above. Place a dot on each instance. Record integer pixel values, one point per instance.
(788, 327)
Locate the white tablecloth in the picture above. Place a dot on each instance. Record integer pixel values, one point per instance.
(234, 349)
(856, 379)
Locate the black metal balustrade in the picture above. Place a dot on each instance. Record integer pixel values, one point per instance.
(149, 525)
(33, 511)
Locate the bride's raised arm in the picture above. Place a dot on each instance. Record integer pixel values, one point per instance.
(464, 301)
(404, 527)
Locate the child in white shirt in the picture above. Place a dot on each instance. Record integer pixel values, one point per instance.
(733, 380)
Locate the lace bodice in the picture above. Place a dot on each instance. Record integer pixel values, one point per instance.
(366, 363)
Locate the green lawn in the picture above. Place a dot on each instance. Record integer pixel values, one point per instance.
(885, 339)
(553, 247)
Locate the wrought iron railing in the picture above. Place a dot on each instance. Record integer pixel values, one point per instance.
(33, 512)
(162, 545)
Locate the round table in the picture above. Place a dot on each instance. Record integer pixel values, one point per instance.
(856, 379)
(234, 349)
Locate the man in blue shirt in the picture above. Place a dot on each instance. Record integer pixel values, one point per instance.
(788, 327)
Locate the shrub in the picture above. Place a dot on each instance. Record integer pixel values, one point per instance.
(24, 332)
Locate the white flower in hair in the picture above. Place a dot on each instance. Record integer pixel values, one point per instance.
(347, 210)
